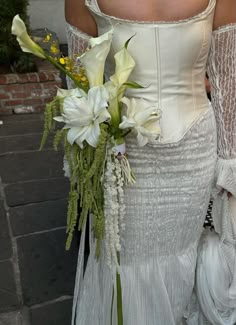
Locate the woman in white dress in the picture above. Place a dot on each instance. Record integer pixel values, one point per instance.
(168, 274)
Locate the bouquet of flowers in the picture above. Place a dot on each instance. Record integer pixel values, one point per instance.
(96, 118)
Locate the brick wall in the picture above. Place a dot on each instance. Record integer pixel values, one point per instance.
(28, 92)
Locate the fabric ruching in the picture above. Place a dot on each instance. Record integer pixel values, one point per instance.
(216, 267)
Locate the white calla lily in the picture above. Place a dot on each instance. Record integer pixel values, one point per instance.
(26, 43)
(76, 92)
(83, 116)
(143, 119)
(124, 66)
(94, 59)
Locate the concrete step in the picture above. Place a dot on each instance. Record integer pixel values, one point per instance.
(21, 124)
(23, 142)
(23, 166)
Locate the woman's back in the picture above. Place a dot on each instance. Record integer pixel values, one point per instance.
(153, 10)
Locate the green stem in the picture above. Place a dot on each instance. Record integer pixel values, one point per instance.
(119, 300)
(119, 297)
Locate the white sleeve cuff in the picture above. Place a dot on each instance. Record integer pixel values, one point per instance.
(226, 175)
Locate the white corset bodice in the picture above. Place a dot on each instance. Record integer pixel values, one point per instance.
(170, 60)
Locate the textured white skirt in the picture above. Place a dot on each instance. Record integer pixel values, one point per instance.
(165, 212)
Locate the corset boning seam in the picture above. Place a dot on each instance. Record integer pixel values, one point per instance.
(193, 69)
(158, 66)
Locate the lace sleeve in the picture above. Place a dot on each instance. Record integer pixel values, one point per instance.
(222, 76)
(216, 267)
(77, 44)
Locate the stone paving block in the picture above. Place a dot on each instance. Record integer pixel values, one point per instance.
(57, 313)
(36, 191)
(23, 166)
(24, 142)
(5, 240)
(22, 117)
(8, 295)
(37, 217)
(20, 127)
(12, 318)
(47, 269)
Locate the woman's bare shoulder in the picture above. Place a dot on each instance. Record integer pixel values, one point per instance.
(225, 13)
(78, 15)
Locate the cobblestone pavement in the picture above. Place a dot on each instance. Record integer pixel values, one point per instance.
(36, 273)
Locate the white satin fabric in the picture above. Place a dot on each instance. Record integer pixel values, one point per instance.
(166, 208)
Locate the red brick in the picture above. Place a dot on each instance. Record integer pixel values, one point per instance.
(13, 102)
(46, 100)
(33, 77)
(3, 80)
(43, 76)
(12, 78)
(23, 78)
(32, 86)
(4, 96)
(50, 85)
(23, 94)
(13, 88)
(32, 101)
(51, 76)
(37, 93)
(5, 111)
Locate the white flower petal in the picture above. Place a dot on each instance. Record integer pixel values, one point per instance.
(26, 43)
(97, 98)
(71, 92)
(94, 59)
(59, 119)
(142, 140)
(93, 41)
(131, 106)
(104, 116)
(93, 134)
(73, 134)
(77, 111)
(124, 66)
(127, 123)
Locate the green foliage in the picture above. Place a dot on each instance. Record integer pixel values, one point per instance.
(52, 109)
(86, 168)
(11, 56)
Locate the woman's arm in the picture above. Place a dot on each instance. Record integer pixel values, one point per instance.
(78, 15)
(225, 13)
(222, 77)
(80, 26)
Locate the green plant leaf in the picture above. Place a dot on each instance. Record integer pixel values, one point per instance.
(127, 42)
(133, 84)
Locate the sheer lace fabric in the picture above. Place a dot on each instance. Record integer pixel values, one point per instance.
(77, 45)
(216, 267)
(222, 75)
